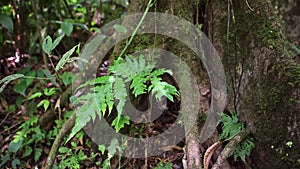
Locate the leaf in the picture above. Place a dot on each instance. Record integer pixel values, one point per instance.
(120, 94)
(27, 152)
(45, 104)
(15, 162)
(14, 146)
(35, 95)
(47, 45)
(101, 148)
(37, 154)
(9, 78)
(231, 127)
(160, 89)
(7, 22)
(20, 87)
(56, 41)
(67, 27)
(4, 159)
(65, 58)
(67, 78)
(243, 149)
(120, 28)
(119, 122)
(64, 150)
(49, 92)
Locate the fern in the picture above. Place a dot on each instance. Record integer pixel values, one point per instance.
(231, 127)
(103, 91)
(243, 149)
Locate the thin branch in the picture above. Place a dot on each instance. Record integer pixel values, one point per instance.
(58, 140)
(229, 148)
(251, 9)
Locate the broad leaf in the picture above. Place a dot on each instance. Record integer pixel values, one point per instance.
(7, 22)
(15, 146)
(67, 27)
(65, 58)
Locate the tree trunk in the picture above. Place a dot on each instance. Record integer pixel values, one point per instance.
(263, 80)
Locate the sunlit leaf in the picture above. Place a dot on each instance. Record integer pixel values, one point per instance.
(45, 104)
(35, 95)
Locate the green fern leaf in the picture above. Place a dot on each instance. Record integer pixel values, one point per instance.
(231, 127)
(120, 94)
(160, 89)
(119, 122)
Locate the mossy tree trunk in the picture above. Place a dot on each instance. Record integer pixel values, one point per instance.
(263, 79)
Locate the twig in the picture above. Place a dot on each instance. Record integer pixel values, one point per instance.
(251, 9)
(58, 140)
(229, 148)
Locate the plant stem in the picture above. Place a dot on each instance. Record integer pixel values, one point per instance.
(137, 28)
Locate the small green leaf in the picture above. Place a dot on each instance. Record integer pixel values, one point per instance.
(35, 95)
(64, 150)
(15, 162)
(28, 151)
(4, 159)
(119, 122)
(7, 22)
(120, 28)
(45, 104)
(65, 58)
(56, 41)
(49, 92)
(67, 27)
(14, 146)
(47, 45)
(101, 148)
(37, 153)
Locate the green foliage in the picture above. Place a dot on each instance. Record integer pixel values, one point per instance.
(25, 140)
(8, 79)
(106, 89)
(162, 165)
(67, 78)
(48, 45)
(67, 27)
(6, 22)
(66, 58)
(71, 157)
(230, 126)
(244, 149)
